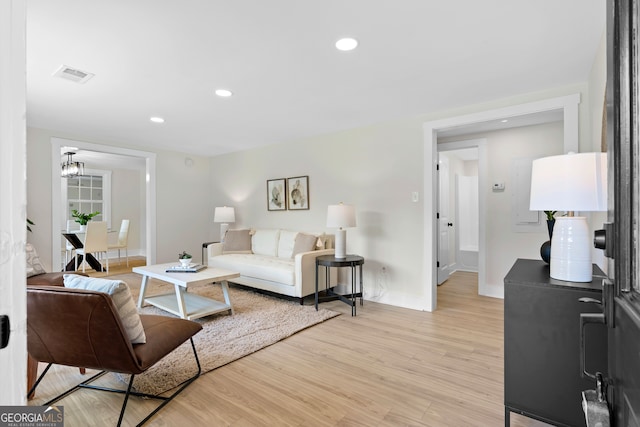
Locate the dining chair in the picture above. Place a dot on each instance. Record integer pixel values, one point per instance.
(123, 240)
(95, 241)
(69, 248)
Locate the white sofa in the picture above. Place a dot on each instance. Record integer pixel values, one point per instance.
(279, 261)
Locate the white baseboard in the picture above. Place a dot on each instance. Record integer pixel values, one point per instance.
(493, 291)
(390, 298)
(113, 254)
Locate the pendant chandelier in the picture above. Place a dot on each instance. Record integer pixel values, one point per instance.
(71, 168)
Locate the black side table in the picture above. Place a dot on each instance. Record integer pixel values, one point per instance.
(328, 261)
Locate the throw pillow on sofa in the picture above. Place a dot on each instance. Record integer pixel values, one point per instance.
(304, 243)
(237, 242)
(121, 297)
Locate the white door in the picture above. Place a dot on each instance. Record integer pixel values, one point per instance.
(443, 219)
(13, 227)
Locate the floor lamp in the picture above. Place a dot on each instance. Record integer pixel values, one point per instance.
(341, 216)
(570, 182)
(224, 215)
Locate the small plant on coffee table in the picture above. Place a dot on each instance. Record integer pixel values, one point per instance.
(185, 259)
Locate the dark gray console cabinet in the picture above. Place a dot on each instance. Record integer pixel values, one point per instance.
(542, 378)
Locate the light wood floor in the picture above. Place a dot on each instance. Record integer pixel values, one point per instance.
(387, 366)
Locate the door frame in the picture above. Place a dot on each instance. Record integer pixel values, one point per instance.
(621, 293)
(570, 107)
(481, 145)
(56, 190)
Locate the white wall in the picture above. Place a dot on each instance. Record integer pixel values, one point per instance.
(467, 212)
(126, 193)
(374, 168)
(184, 210)
(596, 91)
(183, 205)
(471, 168)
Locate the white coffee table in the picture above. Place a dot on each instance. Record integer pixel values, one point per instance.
(181, 303)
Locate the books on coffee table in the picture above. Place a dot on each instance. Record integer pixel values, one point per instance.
(191, 268)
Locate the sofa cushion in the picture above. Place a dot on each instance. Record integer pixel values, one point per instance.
(265, 242)
(122, 299)
(237, 242)
(305, 243)
(286, 243)
(276, 269)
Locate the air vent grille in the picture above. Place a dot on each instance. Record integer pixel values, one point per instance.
(73, 74)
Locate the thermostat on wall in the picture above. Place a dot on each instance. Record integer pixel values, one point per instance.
(498, 186)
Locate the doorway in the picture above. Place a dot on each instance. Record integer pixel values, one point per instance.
(466, 174)
(149, 160)
(568, 105)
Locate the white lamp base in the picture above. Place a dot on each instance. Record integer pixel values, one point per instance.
(341, 243)
(223, 230)
(571, 250)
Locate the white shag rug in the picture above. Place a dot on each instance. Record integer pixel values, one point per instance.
(258, 321)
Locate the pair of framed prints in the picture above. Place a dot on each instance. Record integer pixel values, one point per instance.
(288, 193)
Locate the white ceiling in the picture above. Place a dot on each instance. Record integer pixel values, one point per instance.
(165, 58)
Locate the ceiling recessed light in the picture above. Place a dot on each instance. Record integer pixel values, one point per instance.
(224, 93)
(157, 119)
(504, 121)
(346, 44)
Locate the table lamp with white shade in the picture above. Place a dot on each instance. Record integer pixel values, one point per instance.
(341, 216)
(224, 215)
(570, 182)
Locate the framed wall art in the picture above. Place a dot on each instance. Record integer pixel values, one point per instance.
(277, 194)
(298, 192)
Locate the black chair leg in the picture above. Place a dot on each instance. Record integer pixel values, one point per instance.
(33, 388)
(128, 392)
(126, 399)
(182, 386)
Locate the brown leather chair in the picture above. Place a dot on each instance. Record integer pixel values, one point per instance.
(88, 332)
(43, 279)
(50, 279)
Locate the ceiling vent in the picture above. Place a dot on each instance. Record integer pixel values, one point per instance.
(73, 74)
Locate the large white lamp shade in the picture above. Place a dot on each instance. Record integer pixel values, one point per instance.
(224, 215)
(341, 216)
(570, 182)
